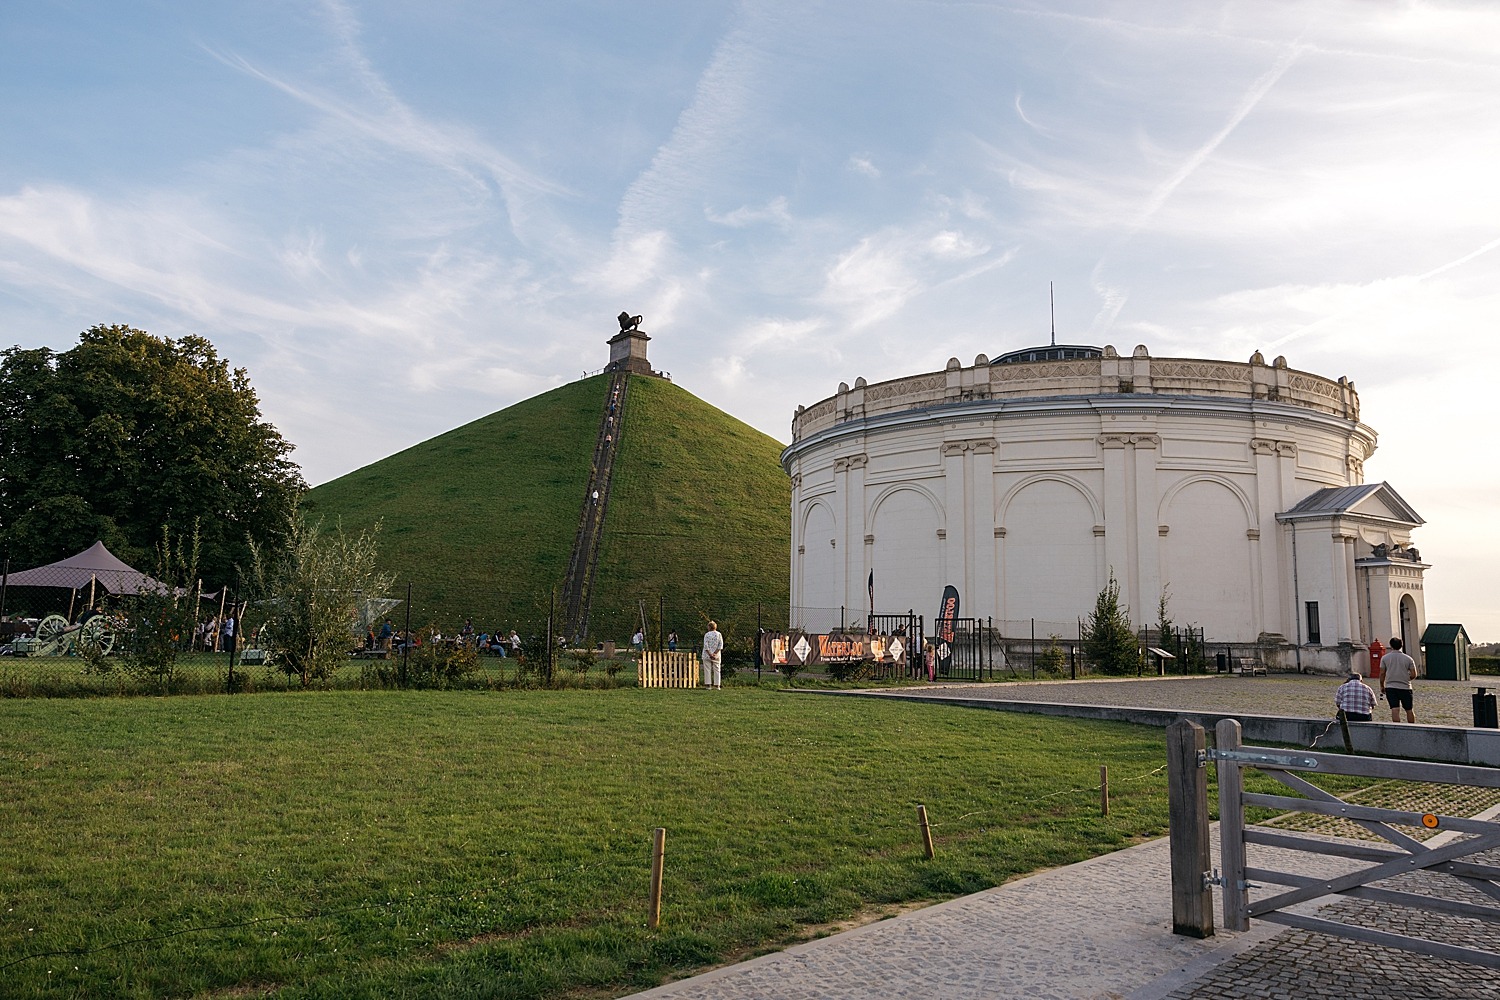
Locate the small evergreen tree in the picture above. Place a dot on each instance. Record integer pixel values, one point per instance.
(1108, 640)
(1164, 634)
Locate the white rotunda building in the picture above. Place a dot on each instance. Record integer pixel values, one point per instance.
(1235, 488)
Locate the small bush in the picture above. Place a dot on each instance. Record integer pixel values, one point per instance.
(441, 664)
(1053, 660)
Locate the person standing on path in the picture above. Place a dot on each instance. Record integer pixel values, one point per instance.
(713, 656)
(1355, 699)
(1396, 672)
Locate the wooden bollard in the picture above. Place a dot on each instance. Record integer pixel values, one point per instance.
(658, 864)
(926, 832)
(1103, 789)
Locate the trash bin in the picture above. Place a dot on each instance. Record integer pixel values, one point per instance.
(1484, 711)
(1221, 662)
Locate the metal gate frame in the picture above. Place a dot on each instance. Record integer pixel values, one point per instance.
(1406, 854)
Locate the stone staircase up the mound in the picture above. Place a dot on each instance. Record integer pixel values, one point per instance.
(584, 562)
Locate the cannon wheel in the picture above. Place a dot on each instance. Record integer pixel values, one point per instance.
(98, 631)
(51, 628)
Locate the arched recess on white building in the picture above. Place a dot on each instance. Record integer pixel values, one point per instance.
(906, 552)
(1207, 559)
(818, 566)
(1408, 624)
(1049, 554)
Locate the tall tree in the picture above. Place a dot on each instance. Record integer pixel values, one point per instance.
(126, 434)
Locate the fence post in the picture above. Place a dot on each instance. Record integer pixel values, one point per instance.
(1187, 809)
(926, 832)
(1103, 789)
(1033, 649)
(1232, 829)
(658, 864)
(406, 638)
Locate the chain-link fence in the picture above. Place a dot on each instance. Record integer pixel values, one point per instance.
(77, 635)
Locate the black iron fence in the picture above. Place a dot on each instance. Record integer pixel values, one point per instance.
(76, 636)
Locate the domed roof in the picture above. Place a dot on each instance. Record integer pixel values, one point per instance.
(1051, 352)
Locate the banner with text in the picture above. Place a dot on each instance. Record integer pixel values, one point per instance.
(812, 648)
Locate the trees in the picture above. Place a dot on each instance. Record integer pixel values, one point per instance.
(126, 434)
(310, 593)
(1108, 640)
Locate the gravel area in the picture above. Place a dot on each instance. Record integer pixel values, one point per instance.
(1444, 703)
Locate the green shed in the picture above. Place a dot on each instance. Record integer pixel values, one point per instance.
(1447, 652)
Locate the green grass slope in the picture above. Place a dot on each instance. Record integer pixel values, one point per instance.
(481, 519)
(699, 518)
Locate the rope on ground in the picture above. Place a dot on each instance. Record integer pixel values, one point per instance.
(1314, 744)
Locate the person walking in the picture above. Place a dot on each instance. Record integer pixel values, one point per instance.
(713, 656)
(1355, 699)
(1396, 672)
(672, 641)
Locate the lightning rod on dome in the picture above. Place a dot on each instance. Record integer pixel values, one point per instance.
(1052, 306)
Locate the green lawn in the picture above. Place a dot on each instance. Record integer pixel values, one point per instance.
(496, 844)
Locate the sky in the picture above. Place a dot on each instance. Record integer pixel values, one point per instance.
(401, 217)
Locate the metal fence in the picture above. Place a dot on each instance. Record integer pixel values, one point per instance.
(43, 628)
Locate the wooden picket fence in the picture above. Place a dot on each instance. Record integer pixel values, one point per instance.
(668, 670)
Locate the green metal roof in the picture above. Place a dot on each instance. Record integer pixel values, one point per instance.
(1444, 635)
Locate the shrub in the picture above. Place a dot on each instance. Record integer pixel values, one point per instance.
(440, 664)
(1053, 660)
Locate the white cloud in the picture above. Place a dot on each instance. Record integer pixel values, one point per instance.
(774, 211)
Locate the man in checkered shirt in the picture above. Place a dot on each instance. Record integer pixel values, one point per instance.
(1355, 699)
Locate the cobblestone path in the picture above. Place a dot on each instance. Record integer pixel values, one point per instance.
(1101, 930)
(1446, 703)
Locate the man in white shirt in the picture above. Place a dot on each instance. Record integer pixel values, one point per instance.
(713, 656)
(1396, 671)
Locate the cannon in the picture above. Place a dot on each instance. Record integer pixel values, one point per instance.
(55, 637)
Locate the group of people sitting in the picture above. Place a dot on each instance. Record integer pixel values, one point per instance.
(497, 643)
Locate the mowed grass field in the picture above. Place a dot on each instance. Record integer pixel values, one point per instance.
(497, 844)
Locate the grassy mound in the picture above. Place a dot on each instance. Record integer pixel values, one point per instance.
(481, 519)
(698, 519)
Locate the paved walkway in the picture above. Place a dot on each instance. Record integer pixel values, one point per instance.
(1444, 703)
(1101, 929)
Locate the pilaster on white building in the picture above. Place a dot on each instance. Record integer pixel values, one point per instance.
(1237, 489)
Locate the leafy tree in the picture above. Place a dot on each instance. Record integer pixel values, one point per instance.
(128, 433)
(1108, 640)
(311, 592)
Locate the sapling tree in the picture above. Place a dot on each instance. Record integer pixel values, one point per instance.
(310, 594)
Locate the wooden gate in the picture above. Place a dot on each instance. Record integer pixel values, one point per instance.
(1401, 854)
(667, 670)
